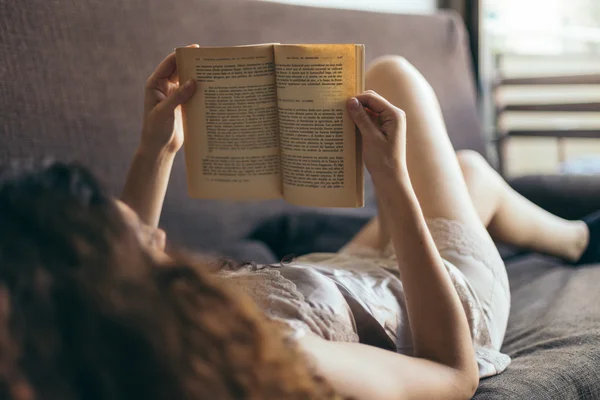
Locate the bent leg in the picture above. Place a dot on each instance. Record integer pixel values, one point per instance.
(462, 188)
(513, 219)
(433, 168)
(437, 179)
(509, 217)
(374, 235)
(432, 165)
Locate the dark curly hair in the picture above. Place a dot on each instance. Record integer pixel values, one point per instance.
(87, 313)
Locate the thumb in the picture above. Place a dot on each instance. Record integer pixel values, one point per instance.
(361, 118)
(179, 96)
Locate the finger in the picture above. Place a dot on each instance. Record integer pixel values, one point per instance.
(179, 96)
(174, 77)
(374, 102)
(373, 115)
(361, 118)
(166, 68)
(159, 239)
(389, 116)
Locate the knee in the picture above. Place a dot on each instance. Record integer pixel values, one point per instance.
(472, 164)
(390, 63)
(385, 68)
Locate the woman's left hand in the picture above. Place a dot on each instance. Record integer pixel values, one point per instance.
(162, 129)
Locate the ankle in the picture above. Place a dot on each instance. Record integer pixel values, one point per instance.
(580, 242)
(582, 239)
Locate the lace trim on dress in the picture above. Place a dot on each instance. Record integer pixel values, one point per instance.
(449, 234)
(280, 300)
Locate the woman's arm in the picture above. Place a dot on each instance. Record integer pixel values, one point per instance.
(162, 137)
(444, 365)
(146, 184)
(438, 322)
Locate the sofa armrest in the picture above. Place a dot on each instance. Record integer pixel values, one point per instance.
(568, 196)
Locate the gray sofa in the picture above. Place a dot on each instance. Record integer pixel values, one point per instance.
(71, 78)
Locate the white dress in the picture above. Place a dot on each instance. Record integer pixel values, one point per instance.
(356, 295)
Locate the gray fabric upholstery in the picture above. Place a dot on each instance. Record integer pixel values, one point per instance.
(570, 196)
(553, 334)
(71, 79)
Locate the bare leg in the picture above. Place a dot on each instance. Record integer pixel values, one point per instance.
(462, 188)
(374, 234)
(433, 168)
(509, 217)
(438, 182)
(513, 219)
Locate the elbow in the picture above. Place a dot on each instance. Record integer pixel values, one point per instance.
(467, 373)
(472, 385)
(464, 380)
(467, 382)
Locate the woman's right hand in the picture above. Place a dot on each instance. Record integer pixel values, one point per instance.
(383, 129)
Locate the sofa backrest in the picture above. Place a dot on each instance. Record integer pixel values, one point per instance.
(72, 75)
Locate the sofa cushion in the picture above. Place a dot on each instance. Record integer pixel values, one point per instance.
(553, 333)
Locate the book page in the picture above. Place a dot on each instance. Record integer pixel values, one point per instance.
(320, 149)
(230, 125)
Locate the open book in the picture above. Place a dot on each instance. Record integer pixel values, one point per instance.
(270, 121)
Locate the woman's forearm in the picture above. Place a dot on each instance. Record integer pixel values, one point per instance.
(437, 319)
(147, 183)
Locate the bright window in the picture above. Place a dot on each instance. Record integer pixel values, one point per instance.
(557, 42)
(543, 26)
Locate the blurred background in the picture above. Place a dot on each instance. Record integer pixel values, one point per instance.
(537, 65)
